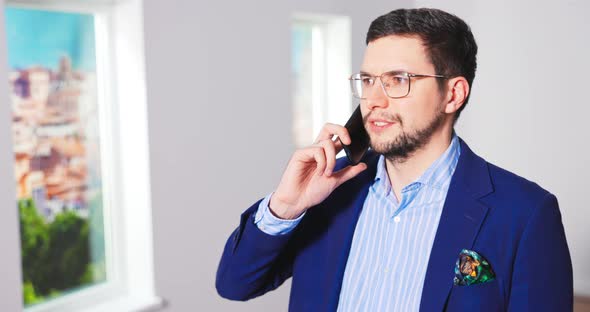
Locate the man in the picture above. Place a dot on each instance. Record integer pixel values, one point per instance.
(422, 223)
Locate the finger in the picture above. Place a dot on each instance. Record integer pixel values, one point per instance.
(330, 129)
(349, 173)
(330, 152)
(319, 157)
(337, 145)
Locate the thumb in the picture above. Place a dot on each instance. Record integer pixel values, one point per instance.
(349, 173)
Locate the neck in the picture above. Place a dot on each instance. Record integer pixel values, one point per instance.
(403, 173)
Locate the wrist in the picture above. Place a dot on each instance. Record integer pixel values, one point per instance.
(282, 210)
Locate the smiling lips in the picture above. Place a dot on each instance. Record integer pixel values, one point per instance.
(379, 125)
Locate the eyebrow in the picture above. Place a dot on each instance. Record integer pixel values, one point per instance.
(362, 72)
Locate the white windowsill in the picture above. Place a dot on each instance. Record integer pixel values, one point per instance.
(127, 304)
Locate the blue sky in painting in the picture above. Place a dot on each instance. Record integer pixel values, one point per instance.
(300, 42)
(41, 38)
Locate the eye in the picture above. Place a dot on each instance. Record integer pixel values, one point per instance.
(366, 81)
(393, 80)
(399, 80)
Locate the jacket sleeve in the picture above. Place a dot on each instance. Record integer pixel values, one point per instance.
(542, 278)
(253, 262)
(269, 224)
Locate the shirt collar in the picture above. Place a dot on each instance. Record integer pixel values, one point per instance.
(436, 176)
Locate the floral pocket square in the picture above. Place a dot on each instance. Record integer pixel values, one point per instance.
(471, 268)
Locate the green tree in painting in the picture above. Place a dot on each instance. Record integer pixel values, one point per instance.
(34, 235)
(68, 253)
(56, 255)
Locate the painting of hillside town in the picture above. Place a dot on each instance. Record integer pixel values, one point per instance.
(57, 167)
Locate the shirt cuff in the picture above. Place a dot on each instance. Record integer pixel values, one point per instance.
(270, 224)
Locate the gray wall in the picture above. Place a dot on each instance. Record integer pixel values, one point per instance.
(218, 139)
(10, 269)
(530, 105)
(217, 145)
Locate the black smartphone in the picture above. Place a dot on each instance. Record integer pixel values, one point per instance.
(358, 136)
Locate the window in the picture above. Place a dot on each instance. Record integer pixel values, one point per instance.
(82, 183)
(52, 79)
(320, 69)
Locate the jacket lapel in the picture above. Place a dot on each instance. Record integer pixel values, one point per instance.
(459, 224)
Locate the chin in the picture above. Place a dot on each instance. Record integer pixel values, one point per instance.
(381, 146)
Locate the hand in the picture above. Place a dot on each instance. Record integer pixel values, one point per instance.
(309, 177)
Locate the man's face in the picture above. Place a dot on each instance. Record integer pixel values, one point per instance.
(398, 127)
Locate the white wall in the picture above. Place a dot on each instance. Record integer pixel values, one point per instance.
(218, 81)
(530, 105)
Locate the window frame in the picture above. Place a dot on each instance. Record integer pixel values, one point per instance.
(124, 162)
(331, 48)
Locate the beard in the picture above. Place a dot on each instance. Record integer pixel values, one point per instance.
(406, 143)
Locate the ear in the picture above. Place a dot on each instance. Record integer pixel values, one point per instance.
(457, 91)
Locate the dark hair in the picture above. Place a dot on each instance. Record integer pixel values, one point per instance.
(447, 38)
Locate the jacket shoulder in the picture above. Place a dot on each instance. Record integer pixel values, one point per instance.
(514, 193)
(504, 179)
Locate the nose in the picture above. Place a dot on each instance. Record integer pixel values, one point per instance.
(376, 96)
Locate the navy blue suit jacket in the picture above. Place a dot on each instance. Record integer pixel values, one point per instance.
(512, 222)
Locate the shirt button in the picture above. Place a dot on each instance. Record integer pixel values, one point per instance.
(386, 270)
(396, 219)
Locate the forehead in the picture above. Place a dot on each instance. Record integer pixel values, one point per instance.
(394, 52)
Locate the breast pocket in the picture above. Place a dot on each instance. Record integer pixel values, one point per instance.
(478, 297)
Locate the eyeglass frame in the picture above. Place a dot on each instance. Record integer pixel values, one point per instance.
(398, 72)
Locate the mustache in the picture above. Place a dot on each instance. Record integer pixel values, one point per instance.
(383, 115)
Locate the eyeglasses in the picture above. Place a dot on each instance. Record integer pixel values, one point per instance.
(395, 84)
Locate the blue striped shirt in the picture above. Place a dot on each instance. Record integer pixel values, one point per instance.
(392, 241)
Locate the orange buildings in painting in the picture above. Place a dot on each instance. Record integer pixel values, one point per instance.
(49, 138)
